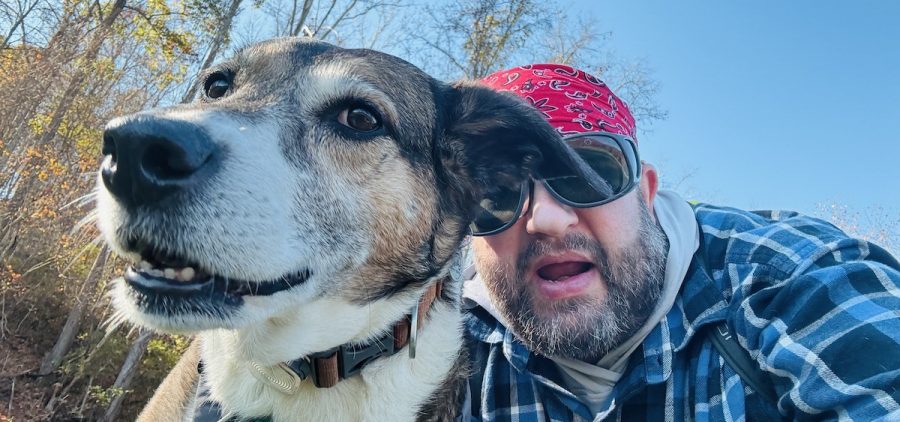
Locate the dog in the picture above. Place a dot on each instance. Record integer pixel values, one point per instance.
(301, 216)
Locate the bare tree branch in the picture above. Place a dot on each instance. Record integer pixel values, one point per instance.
(339, 19)
(293, 15)
(19, 21)
(450, 56)
(324, 18)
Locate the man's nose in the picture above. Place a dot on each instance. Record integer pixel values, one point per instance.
(547, 216)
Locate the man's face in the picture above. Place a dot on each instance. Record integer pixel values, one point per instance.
(577, 282)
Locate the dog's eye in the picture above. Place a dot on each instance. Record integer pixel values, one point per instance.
(217, 85)
(359, 118)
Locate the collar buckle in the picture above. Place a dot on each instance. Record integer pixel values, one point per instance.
(327, 367)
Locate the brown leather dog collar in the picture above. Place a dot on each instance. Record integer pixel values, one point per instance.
(328, 367)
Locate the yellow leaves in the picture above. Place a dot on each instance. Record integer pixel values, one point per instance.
(44, 213)
(88, 163)
(88, 142)
(45, 161)
(85, 136)
(38, 123)
(9, 274)
(158, 6)
(79, 257)
(104, 68)
(167, 349)
(165, 38)
(46, 179)
(52, 167)
(52, 177)
(172, 75)
(17, 61)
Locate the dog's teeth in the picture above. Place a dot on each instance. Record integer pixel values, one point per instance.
(187, 274)
(154, 272)
(169, 273)
(144, 266)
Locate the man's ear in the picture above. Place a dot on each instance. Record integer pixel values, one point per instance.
(496, 139)
(649, 183)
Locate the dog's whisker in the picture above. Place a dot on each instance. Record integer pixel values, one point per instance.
(380, 343)
(227, 285)
(97, 240)
(81, 200)
(74, 260)
(287, 281)
(88, 219)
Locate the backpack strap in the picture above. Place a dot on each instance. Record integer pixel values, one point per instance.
(739, 359)
(724, 341)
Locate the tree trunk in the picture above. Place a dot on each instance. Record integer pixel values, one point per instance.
(214, 47)
(126, 374)
(90, 54)
(53, 359)
(304, 13)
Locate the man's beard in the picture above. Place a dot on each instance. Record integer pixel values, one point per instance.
(585, 328)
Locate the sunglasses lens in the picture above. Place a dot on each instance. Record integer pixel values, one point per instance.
(608, 160)
(498, 209)
(614, 160)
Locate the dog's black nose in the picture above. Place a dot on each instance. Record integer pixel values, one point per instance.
(148, 158)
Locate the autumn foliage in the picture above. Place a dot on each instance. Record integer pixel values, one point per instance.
(65, 70)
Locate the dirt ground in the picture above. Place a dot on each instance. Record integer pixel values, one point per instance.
(22, 396)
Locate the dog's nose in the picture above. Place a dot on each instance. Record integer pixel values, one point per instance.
(149, 158)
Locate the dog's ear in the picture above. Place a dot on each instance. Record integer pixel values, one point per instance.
(496, 139)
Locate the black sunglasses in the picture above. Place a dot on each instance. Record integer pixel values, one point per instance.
(613, 157)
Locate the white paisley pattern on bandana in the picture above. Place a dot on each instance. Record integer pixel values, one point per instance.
(571, 100)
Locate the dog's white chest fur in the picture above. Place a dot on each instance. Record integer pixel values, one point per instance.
(388, 389)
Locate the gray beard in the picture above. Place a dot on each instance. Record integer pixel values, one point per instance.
(586, 328)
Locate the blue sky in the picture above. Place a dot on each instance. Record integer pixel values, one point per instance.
(772, 104)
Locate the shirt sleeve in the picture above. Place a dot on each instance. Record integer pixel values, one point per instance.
(828, 333)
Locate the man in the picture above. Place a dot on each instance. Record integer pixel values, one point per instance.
(604, 303)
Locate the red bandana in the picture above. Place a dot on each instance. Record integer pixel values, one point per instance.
(571, 100)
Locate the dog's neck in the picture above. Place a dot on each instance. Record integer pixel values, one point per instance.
(384, 388)
(327, 368)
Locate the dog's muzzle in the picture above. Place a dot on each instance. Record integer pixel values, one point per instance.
(149, 158)
(153, 166)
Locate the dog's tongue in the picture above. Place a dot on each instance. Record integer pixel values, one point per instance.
(562, 270)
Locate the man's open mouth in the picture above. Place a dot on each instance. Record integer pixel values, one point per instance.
(563, 270)
(161, 277)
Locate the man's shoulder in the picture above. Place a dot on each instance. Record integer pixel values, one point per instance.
(729, 223)
(782, 240)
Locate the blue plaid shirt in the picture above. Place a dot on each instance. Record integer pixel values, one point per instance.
(818, 311)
